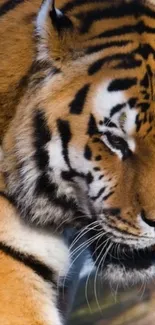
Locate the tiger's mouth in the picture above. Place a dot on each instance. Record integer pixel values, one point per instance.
(119, 262)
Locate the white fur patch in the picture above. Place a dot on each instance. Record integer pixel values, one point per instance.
(43, 14)
(119, 275)
(78, 161)
(56, 160)
(104, 101)
(45, 246)
(131, 144)
(147, 230)
(42, 30)
(129, 124)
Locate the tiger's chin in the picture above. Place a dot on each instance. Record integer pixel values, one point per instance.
(122, 264)
(120, 275)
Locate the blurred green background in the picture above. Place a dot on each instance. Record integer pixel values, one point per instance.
(115, 306)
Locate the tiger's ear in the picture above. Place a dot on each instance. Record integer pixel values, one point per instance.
(58, 20)
(52, 28)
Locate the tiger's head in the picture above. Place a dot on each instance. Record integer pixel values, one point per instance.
(83, 138)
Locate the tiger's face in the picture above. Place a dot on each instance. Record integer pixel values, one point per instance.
(83, 142)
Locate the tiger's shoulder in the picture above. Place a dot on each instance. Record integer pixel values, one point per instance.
(31, 263)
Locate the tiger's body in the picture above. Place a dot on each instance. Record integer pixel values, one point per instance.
(32, 263)
(77, 123)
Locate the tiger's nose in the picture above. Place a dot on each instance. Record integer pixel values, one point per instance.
(149, 222)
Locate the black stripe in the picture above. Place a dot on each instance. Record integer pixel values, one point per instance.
(109, 123)
(49, 189)
(92, 126)
(9, 5)
(106, 197)
(42, 136)
(151, 117)
(97, 48)
(122, 84)
(89, 178)
(101, 191)
(28, 260)
(126, 222)
(45, 186)
(3, 194)
(87, 152)
(148, 12)
(145, 50)
(149, 129)
(147, 96)
(76, 106)
(97, 169)
(138, 123)
(7, 197)
(69, 175)
(142, 28)
(97, 65)
(115, 11)
(113, 212)
(139, 28)
(127, 63)
(65, 134)
(145, 81)
(132, 102)
(70, 5)
(116, 109)
(150, 74)
(144, 106)
(123, 30)
(77, 3)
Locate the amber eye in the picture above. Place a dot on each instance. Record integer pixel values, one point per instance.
(117, 144)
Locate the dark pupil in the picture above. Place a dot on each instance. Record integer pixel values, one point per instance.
(119, 143)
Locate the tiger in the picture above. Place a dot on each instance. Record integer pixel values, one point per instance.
(77, 124)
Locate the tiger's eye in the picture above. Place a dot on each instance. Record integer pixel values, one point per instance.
(117, 144)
